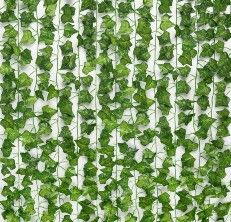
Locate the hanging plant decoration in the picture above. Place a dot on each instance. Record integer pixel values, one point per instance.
(115, 110)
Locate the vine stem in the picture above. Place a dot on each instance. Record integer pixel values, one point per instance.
(77, 115)
(115, 33)
(18, 67)
(56, 81)
(175, 109)
(134, 70)
(194, 97)
(155, 139)
(96, 110)
(36, 79)
(213, 89)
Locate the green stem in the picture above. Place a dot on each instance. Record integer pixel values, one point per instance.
(56, 81)
(96, 109)
(155, 139)
(18, 72)
(115, 58)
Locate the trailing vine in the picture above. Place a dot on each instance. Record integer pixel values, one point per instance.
(115, 110)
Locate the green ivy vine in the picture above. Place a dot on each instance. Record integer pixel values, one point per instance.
(115, 110)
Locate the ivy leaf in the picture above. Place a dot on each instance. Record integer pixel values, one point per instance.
(164, 38)
(165, 23)
(69, 62)
(52, 92)
(166, 52)
(68, 12)
(121, 71)
(130, 218)
(189, 145)
(105, 6)
(69, 30)
(24, 80)
(25, 57)
(166, 68)
(43, 60)
(51, 8)
(27, 37)
(147, 137)
(142, 119)
(88, 4)
(85, 96)
(67, 48)
(7, 147)
(88, 67)
(87, 80)
(165, 6)
(10, 31)
(141, 52)
(128, 131)
(46, 36)
(187, 160)
(48, 112)
(7, 16)
(27, 18)
(163, 98)
(144, 29)
(185, 104)
(65, 107)
(184, 71)
(207, 50)
(108, 23)
(203, 89)
(222, 100)
(75, 194)
(125, 27)
(182, 87)
(66, 208)
(124, 8)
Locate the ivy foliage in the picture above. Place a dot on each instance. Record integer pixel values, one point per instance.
(115, 110)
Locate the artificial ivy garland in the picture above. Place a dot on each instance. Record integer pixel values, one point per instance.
(115, 110)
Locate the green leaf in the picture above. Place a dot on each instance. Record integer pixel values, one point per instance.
(124, 8)
(207, 50)
(27, 37)
(203, 89)
(25, 57)
(68, 13)
(105, 6)
(166, 52)
(43, 60)
(163, 98)
(69, 30)
(27, 17)
(128, 131)
(125, 27)
(88, 4)
(46, 36)
(165, 23)
(165, 6)
(69, 62)
(67, 48)
(182, 87)
(66, 208)
(164, 38)
(10, 32)
(185, 104)
(121, 71)
(147, 137)
(24, 80)
(144, 29)
(141, 52)
(65, 107)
